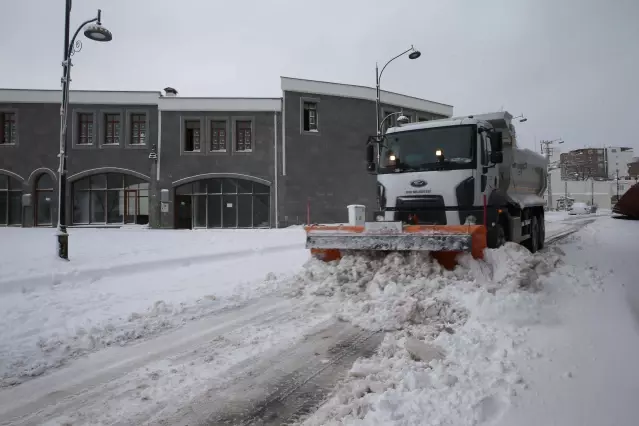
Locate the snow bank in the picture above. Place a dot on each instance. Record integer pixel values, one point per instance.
(29, 254)
(476, 317)
(123, 286)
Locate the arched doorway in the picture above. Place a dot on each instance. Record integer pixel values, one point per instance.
(10, 201)
(222, 203)
(110, 198)
(44, 200)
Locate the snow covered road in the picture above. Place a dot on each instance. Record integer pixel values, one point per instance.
(205, 336)
(79, 307)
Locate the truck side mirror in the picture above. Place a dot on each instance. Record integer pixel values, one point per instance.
(496, 141)
(370, 157)
(496, 157)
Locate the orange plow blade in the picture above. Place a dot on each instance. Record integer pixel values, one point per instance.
(444, 242)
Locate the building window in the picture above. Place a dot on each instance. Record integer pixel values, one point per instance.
(138, 129)
(8, 126)
(10, 201)
(222, 203)
(112, 129)
(218, 135)
(112, 198)
(192, 133)
(85, 128)
(310, 117)
(44, 200)
(243, 140)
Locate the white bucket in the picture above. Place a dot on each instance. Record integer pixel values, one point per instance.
(356, 215)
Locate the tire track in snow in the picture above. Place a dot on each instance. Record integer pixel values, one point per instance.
(69, 389)
(284, 385)
(560, 235)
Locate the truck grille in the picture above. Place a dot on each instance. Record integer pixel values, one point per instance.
(424, 210)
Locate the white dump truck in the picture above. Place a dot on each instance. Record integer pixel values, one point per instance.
(451, 185)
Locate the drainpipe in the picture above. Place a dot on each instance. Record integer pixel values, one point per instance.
(275, 169)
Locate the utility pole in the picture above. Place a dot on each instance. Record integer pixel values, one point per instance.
(547, 150)
(617, 185)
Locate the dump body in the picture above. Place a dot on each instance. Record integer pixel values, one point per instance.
(628, 204)
(523, 173)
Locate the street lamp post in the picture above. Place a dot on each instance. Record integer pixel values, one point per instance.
(94, 32)
(546, 149)
(378, 76)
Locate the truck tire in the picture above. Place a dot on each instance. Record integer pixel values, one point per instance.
(542, 232)
(532, 243)
(496, 237)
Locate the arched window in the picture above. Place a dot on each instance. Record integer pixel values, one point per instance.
(10, 201)
(110, 198)
(222, 203)
(44, 200)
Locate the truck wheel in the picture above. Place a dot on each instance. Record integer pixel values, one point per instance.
(542, 232)
(496, 237)
(532, 243)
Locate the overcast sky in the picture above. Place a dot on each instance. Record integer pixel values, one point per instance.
(570, 66)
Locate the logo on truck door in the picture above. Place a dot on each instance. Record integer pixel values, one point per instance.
(418, 183)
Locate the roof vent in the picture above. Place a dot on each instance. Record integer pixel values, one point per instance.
(170, 92)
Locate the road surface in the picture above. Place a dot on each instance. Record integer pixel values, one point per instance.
(214, 371)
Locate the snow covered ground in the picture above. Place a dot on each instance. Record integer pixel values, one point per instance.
(123, 285)
(146, 324)
(517, 340)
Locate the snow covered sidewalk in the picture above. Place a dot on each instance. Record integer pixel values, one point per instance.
(124, 285)
(586, 370)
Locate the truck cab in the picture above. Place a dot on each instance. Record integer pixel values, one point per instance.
(460, 171)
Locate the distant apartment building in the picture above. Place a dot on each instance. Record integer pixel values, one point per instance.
(596, 163)
(633, 168)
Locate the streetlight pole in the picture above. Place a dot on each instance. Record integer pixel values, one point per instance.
(94, 32)
(546, 149)
(378, 76)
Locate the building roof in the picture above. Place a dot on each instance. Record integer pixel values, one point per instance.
(125, 97)
(179, 103)
(291, 84)
(104, 97)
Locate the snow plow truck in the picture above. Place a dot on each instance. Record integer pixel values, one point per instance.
(445, 186)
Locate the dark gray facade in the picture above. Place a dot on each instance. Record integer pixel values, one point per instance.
(179, 167)
(325, 171)
(221, 162)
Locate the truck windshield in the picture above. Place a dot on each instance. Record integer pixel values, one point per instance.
(417, 150)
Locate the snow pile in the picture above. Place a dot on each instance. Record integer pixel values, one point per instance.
(447, 355)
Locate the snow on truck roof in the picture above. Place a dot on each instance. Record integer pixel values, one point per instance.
(499, 119)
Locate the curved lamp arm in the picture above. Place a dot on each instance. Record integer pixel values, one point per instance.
(403, 53)
(70, 47)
